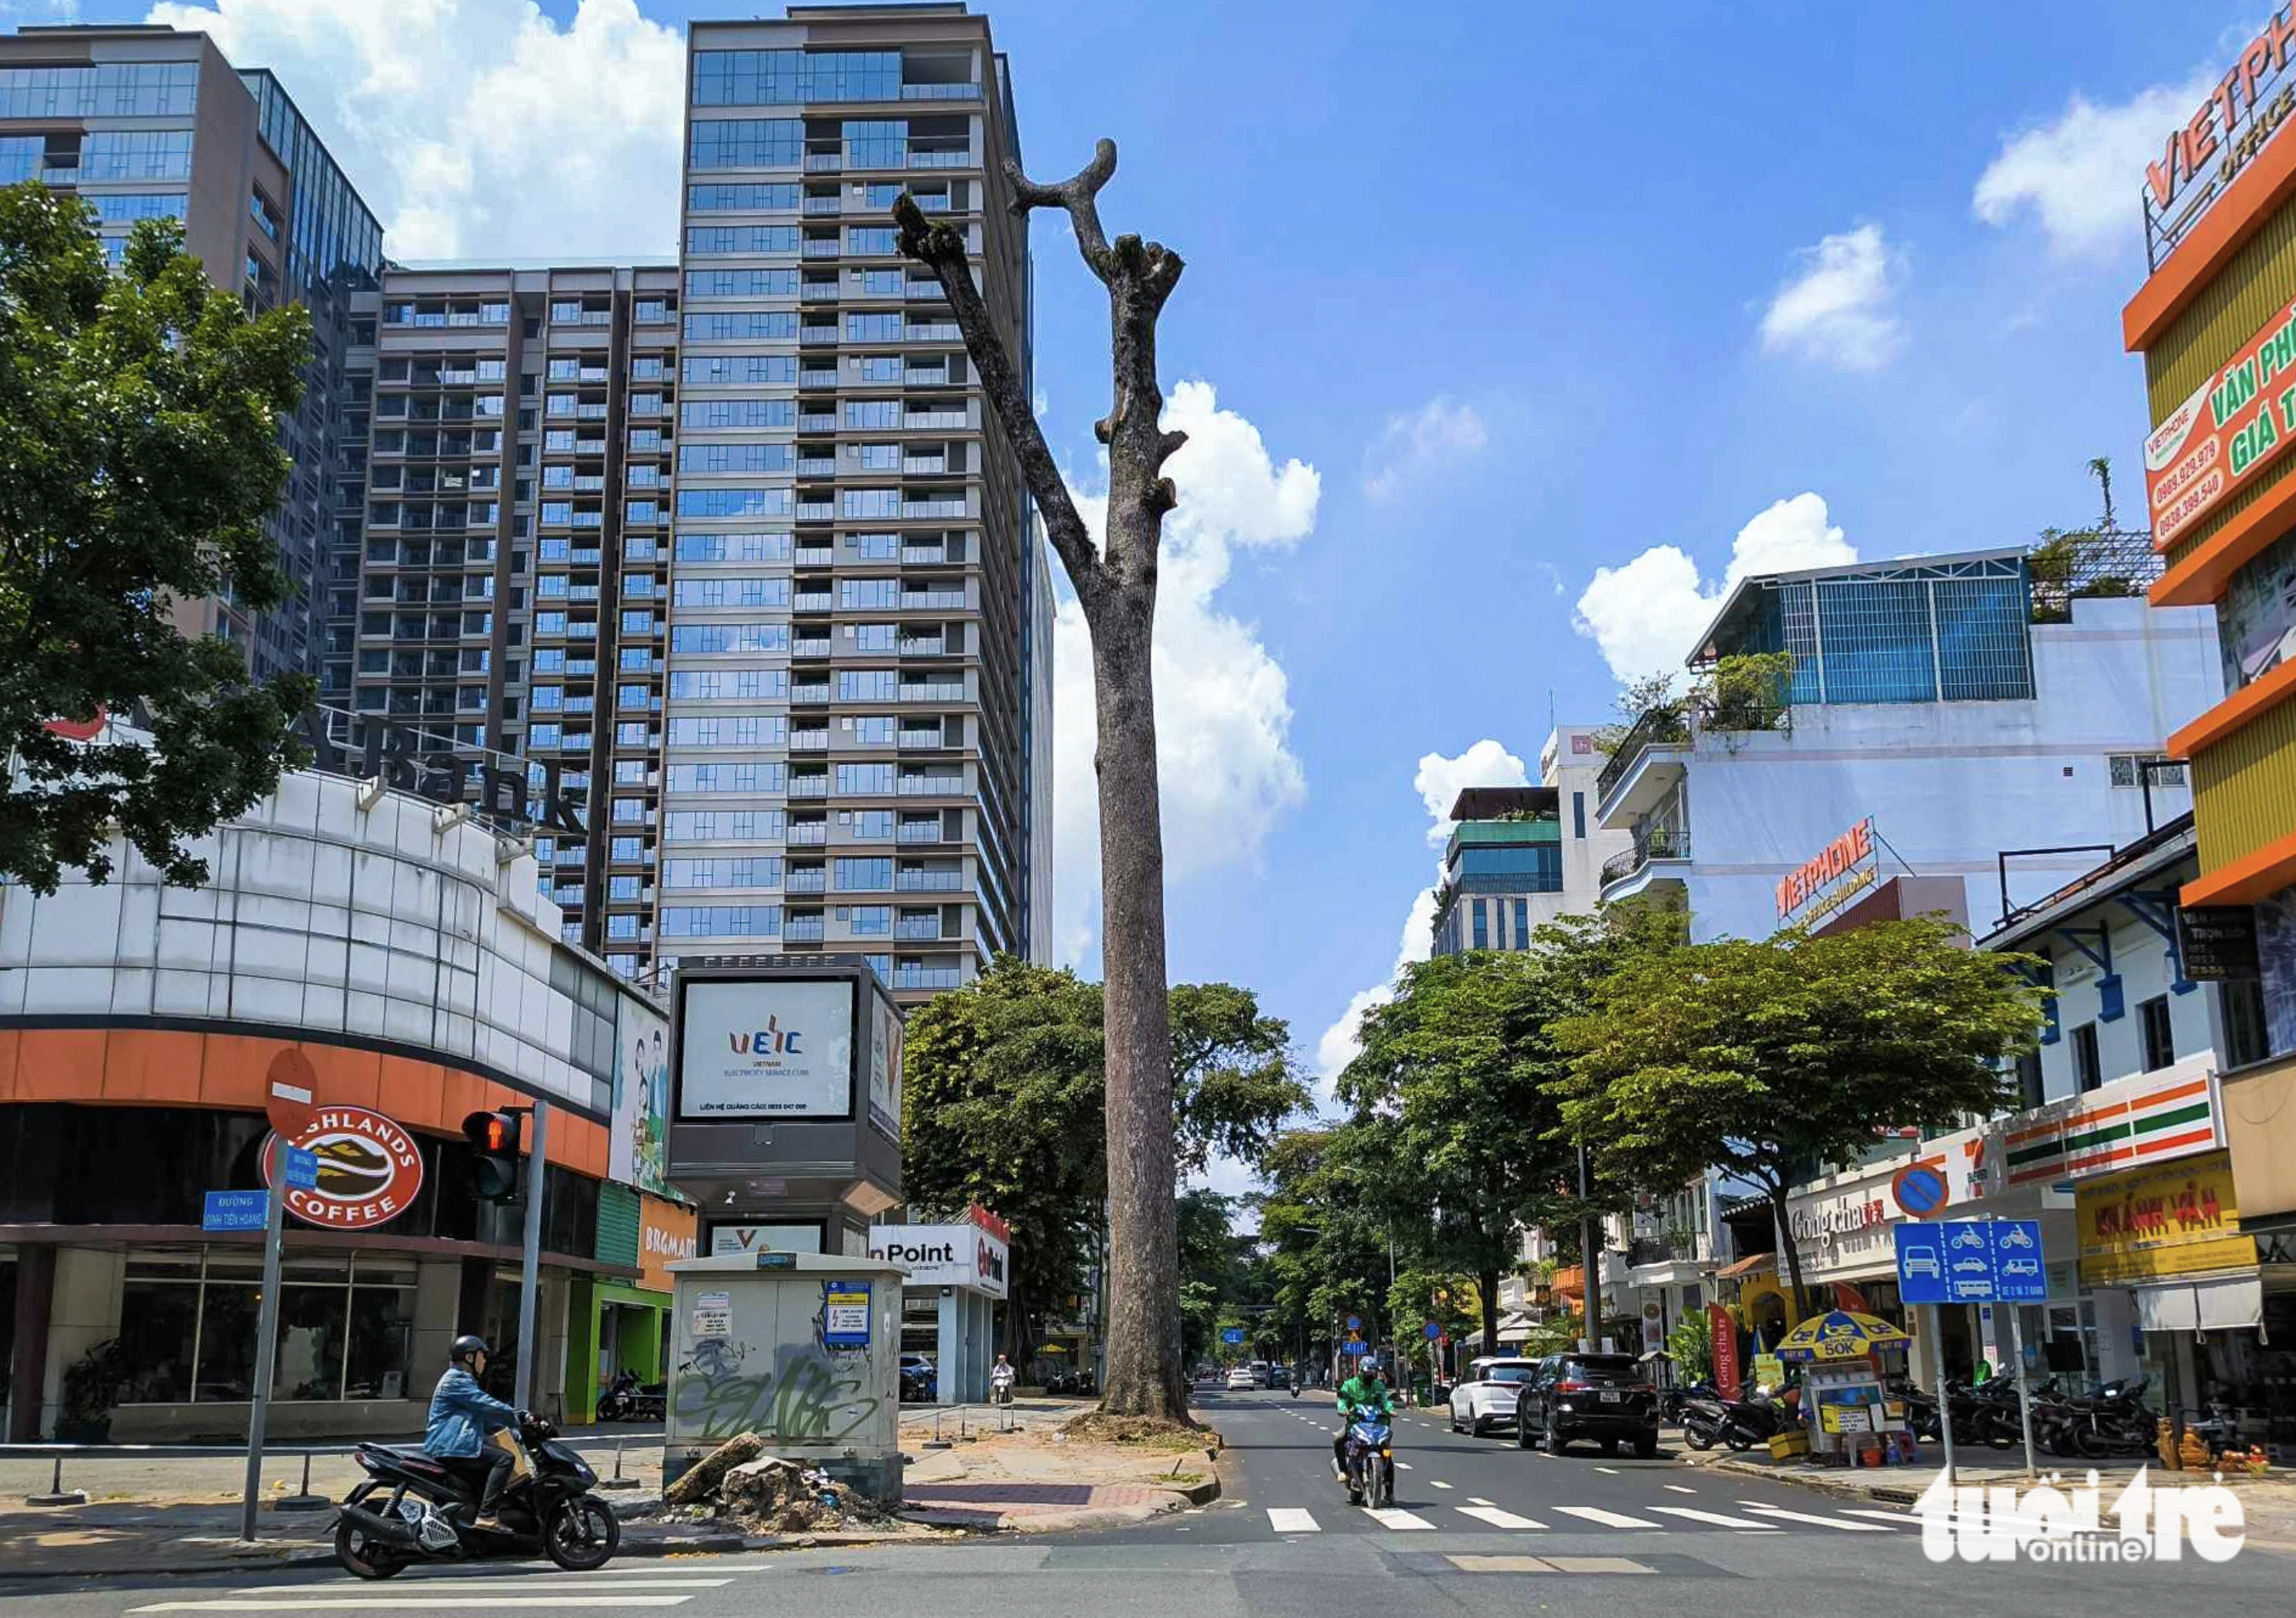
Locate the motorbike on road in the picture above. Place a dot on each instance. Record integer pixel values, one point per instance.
(412, 1507)
(1370, 1451)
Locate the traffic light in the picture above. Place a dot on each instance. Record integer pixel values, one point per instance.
(494, 1136)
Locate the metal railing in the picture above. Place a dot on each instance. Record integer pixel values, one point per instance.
(1666, 724)
(1660, 842)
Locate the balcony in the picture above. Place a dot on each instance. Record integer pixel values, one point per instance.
(927, 977)
(927, 882)
(1644, 765)
(815, 691)
(925, 786)
(804, 879)
(923, 929)
(818, 379)
(919, 830)
(808, 787)
(961, 91)
(1660, 850)
(807, 834)
(804, 930)
(813, 647)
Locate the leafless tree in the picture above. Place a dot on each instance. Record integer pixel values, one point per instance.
(1115, 583)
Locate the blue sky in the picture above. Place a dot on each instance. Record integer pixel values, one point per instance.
(1531, 289)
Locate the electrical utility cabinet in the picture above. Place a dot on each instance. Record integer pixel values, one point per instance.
(802, 1350)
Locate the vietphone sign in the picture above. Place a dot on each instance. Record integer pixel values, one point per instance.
(2235, 422)
(369, 1169)
(1844, 855)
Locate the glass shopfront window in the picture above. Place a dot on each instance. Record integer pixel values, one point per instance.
(188, 1322)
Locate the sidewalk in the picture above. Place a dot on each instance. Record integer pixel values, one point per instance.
(970, 1469)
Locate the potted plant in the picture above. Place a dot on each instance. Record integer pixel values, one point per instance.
(92, 1387)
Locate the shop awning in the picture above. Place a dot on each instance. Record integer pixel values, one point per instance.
(1747, 1266)
(2213, 1303)
(1514, 1328)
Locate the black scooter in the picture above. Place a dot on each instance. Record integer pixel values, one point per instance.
(625, 1399)
(1739, 1423)
(426, 1509)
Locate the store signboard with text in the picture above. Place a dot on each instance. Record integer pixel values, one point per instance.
(2240, 418)
(767, 1048)
(2177, 1220)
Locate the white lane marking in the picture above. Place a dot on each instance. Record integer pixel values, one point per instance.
(1804, 1516)
(1613, 1471)
(1682, 1488)
(1434, 1485)
(1390, 1517)
(1608, 1519)
(1291, 1519)
(637, 1579)
(1691, 1513)
(1498, 1518)
(1904, 1519)
(1478, 1499)
(1403, 1466)
(373, 1603)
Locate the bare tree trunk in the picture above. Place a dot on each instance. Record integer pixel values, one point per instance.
(1792, 1250)
(1115, 584)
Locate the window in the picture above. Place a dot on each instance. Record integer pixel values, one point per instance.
(736, 457)
(1521, 924)
(137, 89)
(878, 457)
(864, 779)
(876, 548)
(734, 591)
(188, 1319)
(750, 326)
(874, 730)
(2139, 769)
(733, 547)
(762, 777)
(871, 876)
(871, 826)
(738, 413)
(870, 503)
(1482, 926)
(872, 414)
(744, 370)
(877, 143)
(2030, 1090)
(741, 283)
(875, 638)
(2088, 1070)
(769, 197)
(628, 847)
(136, 154)
(721, 921)
(126, 206)
(730, 637)
(747, 143)
(867, 685)
(2157, 1031)
(1579, 815)
(702, 503)
(785, 77)
(872, 328)
(868, 595)
(871, 920)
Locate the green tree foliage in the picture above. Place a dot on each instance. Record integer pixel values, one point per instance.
(139, 456)
(1769, 1060)
(1004, 1097)
(1324, 1230)
(1691, 1345)
(1458, 1117)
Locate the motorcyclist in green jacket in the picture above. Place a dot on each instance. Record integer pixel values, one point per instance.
(1366, 1392)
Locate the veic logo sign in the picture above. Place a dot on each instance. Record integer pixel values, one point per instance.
(369, 1169)
(771, 1041)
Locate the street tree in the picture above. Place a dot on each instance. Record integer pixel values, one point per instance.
(1768, 1059)
(139, 456)
(1455, 1082)
(1005, 1097)
(1115, 584)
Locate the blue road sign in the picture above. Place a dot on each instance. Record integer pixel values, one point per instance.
(1431, 1331)
(302, 1169)
(1354, 1348)
(2018, 1276)
(235, 1210)
(1234, 1334)
(1355, 1322)
(1970, 1261)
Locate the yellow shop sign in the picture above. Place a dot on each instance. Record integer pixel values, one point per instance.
(2178, 1219)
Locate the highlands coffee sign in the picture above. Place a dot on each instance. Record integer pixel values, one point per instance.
(2202, 157)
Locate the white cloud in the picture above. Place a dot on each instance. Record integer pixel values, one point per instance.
(1837, 309)
(1441, 433)
(1645, 614)
(2079, 174)
(480, 128)
(1223, 709)
(1438, 782)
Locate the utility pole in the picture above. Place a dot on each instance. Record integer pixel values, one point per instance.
(529, 1282)
(1590, 1279)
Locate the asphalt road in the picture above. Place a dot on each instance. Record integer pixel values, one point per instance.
(1479, 1528)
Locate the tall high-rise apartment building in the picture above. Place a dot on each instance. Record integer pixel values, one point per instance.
(146, 122)
(856, 736)
(516, 553)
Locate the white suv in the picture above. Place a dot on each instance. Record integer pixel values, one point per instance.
(1485, 1396)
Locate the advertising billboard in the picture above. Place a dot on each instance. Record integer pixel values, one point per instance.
(885, 1069)
(2239, 418)
(766, 1047)
(638, 1135)
(967, 1255)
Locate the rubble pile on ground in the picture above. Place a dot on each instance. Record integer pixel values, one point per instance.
(738, 1482)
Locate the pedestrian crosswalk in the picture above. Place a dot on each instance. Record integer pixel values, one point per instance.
(631, 1589)
(1748, 1516)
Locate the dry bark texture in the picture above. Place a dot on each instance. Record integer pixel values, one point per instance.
(1115, 583)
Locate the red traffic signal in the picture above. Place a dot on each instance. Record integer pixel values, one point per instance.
(494, 1175)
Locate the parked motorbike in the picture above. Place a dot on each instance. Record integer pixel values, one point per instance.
(1673, 1403)
(625, 1399)
(2112, 1421)
(1739, 1423)
(426, 1510)
(1370, 1452)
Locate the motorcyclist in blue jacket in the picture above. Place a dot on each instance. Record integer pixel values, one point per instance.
(461, 1415)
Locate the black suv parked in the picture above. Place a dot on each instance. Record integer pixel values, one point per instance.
(1598, 1396)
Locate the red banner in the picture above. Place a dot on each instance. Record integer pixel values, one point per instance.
(2235, 421)
(1724, 1331)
